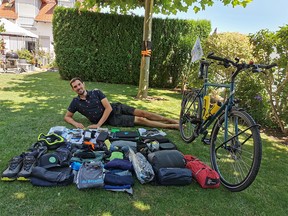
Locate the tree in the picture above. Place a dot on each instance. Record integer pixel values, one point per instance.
(160, 6)
(268, 47)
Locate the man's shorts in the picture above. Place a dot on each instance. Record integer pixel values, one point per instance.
(121, 115)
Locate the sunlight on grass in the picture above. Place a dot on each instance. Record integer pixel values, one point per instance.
(19, 195)
(141, 206)
(106, 214)
(278, 147)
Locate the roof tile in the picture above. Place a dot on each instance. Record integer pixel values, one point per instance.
(7, 10)
(46, 11)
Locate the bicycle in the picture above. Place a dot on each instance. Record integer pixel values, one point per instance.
(235, 142)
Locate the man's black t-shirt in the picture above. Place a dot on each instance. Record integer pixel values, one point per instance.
(92, 107)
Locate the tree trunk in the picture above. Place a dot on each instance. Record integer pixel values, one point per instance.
(274, 105)
(145, 59)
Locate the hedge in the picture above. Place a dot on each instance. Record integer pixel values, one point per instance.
(107, 47)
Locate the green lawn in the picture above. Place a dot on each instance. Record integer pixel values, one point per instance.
(32, 103)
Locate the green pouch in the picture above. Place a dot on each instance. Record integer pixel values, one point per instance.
(52, 141)
(115, 155)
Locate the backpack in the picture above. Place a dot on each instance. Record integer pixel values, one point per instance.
(90, 175)
(202, 173)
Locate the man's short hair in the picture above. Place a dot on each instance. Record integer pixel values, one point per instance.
(74, 79)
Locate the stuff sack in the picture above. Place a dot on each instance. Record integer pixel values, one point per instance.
(90, 175)
(142, 167)
(174, 176)
(166, 159)
(167, 146)
(202, 173)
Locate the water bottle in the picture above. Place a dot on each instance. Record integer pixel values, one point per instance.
(206, 106)
(215, 108)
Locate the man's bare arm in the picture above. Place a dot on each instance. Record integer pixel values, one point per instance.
(69, 119)
(107, 111)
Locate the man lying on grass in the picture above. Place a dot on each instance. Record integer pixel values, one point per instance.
(95, 106)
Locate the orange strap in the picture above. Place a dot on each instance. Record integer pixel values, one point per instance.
(146, 52)
(90, 144)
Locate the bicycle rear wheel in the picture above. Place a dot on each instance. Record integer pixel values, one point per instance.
(237, 161)
(190, 116)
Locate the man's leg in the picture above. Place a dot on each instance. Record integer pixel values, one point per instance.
(154, 117)
(157, 124)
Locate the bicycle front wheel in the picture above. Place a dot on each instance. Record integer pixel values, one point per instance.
(190, 117)
(238, 159)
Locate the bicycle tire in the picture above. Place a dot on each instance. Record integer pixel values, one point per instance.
(189, 117)
(239, 161)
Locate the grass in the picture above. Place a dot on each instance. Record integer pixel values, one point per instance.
(32, 103)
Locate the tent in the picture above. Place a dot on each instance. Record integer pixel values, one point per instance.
(15, 30)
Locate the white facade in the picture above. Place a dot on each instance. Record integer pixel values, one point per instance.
(27, 11)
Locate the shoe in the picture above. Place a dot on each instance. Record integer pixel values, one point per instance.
(15, 165)
(29, 162)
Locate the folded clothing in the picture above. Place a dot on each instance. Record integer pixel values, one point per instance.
(119, 164)
(114, 179)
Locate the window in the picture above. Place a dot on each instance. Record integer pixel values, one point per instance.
(31, 46)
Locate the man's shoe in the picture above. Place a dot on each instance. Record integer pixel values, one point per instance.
(15, 165)
(29, 162)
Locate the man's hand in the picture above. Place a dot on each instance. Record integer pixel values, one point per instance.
(94, 126)
(79, 125)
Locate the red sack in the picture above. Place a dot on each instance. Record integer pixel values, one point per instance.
(204, 175)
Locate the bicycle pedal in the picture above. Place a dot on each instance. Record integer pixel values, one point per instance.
(206, 141)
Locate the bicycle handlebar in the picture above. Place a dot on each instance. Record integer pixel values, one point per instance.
(239, 66)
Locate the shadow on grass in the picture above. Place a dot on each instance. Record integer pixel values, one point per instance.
(31, 104)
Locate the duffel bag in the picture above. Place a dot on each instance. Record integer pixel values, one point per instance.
(202, 173)
(174, 176)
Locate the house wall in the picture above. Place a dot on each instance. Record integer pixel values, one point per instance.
(27, 10)
(44, 31)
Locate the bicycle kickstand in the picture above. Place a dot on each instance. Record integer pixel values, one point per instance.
(205, 140)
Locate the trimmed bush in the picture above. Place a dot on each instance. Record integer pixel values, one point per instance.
(107, 47)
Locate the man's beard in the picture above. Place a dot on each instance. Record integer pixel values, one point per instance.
(81, 92)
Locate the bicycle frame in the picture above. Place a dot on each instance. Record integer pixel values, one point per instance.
(226, 106)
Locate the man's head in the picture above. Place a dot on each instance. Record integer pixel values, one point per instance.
(77, 85)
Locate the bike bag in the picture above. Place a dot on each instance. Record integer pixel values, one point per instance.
(202, 173)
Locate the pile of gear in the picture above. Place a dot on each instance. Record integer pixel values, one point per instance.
(99, 158)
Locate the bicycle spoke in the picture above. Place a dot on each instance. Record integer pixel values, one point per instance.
(235, 158)
(189, 117)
